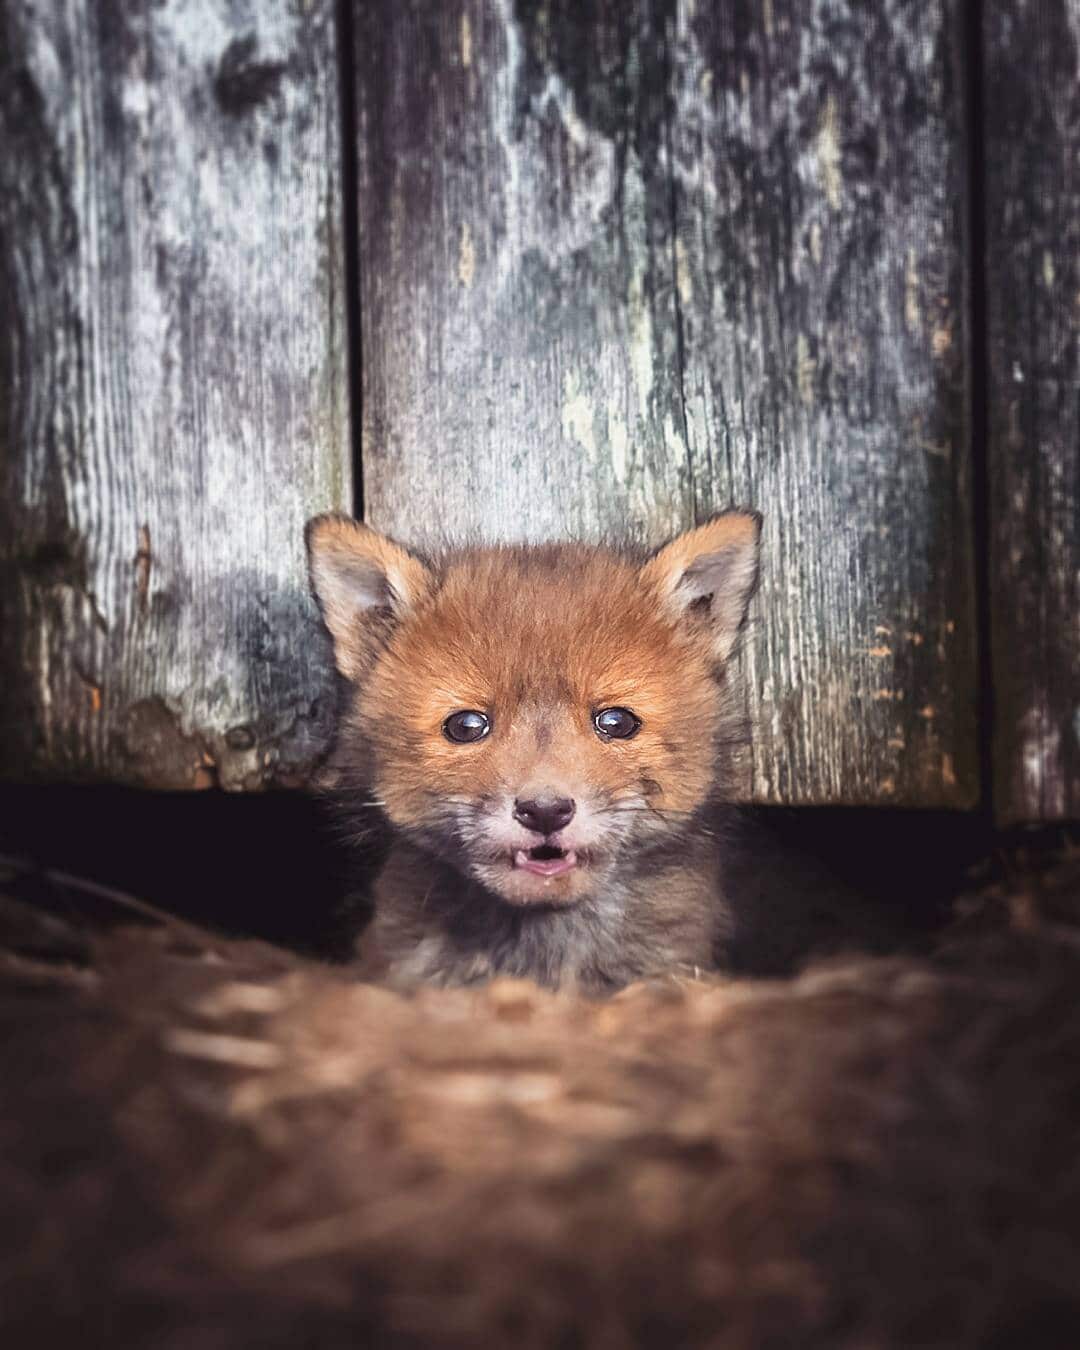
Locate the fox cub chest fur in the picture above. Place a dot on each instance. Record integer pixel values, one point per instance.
(544, 729)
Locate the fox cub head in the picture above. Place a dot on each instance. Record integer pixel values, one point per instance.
(538, 716)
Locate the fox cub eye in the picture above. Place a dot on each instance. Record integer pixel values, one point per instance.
(616, 724)
(466, 726)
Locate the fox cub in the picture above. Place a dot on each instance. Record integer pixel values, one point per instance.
(546, 729)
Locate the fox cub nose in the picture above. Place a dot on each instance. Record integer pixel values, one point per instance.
(545, 815)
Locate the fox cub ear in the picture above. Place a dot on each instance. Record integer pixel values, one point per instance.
(363, 582)
(709, 574)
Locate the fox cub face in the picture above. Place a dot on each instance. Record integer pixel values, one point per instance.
(540, 717)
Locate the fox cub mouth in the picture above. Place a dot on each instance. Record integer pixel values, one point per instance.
(546, 860)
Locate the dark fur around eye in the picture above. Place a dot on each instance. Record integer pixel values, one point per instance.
(616, 724)
(466, 726)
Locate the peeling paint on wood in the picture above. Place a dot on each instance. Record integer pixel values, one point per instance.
(172, 386)
(1032, 102)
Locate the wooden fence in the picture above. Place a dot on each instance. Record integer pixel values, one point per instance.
(537, 268)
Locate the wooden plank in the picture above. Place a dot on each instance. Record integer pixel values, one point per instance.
(1032, 153)
(819, 180)
(519, 343)
(567, 329)
(172, 386)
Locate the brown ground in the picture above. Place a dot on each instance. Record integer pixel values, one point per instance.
(208, 1144)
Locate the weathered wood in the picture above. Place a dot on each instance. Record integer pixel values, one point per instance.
(172, 385)
(623, 264)
(520, 373)
(1032, 153)
(819, 186)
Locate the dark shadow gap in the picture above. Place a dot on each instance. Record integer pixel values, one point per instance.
(271, 865)
(263, 865)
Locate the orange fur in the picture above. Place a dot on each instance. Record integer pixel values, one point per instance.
(539, 639)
